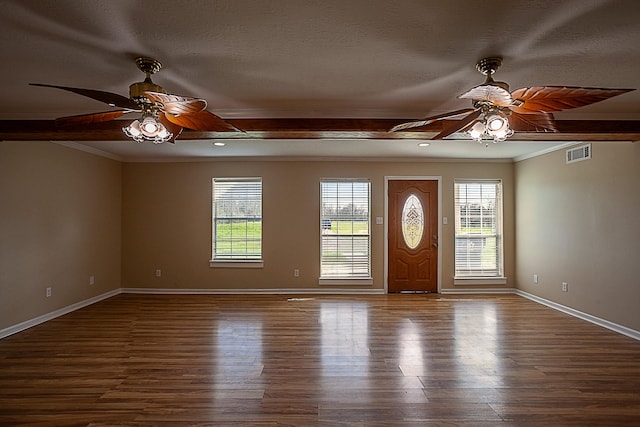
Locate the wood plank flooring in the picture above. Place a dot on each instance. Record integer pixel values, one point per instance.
(383, 360)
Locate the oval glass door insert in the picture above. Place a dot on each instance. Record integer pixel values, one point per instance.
(412, 221)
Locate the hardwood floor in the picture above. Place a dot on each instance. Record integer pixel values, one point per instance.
(385, 360)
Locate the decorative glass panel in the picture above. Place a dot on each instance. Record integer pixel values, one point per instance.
(412, 221)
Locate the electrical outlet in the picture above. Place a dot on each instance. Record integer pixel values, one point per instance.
(535, 278)
(48, 293)
(565, 287)
(158, 273)
(92, 280)
(296, 273)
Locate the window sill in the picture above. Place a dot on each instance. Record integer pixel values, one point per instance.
(258, 263)
(479, 280)
(345, 281)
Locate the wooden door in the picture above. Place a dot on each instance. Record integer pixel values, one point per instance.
(413, 236)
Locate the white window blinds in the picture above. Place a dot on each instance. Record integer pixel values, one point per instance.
(237, 219)
(344, 228)
(478, 236)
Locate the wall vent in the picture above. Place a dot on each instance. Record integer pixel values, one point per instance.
(577, 154)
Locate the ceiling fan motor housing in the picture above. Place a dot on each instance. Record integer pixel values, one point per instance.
(137, 90)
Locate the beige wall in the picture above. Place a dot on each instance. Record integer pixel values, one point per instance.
(59, 224)
(579, 223)
(167, 220)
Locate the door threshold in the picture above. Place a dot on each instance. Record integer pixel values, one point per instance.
(416, 292)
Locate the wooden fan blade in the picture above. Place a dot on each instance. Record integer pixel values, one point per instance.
(458, 125)
(203, 121)
(488, 92)
(548, 99)
(86, 119)
(175, 129)
(177, 105)
(431, 119)
(533, 122)
(109, 98)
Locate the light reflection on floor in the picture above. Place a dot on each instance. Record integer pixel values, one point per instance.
(344, 338)
(476, 333)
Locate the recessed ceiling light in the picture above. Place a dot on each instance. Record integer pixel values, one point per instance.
(219, 144)
(424, 144)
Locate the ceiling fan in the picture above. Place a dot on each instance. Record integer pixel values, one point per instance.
(163, 116)
(497, 113)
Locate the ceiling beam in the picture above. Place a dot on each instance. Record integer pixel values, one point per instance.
(568, 130)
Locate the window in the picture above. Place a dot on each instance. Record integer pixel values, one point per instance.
(237, 220)
(478, 216)
(344, 229)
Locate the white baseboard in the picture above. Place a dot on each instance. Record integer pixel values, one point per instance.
(632, 333)
(480, 291)
(60, 312)
(281, 291)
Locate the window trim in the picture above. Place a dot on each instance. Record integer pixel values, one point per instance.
(471, 279)
(241, 263)
(346, 280)
(237, 262)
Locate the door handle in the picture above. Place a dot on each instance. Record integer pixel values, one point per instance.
(435, 241)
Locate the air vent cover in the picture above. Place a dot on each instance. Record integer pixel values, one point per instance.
(577, 154)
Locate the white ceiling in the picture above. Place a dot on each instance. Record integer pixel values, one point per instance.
(316, 59)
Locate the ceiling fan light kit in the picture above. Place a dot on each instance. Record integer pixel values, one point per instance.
(150, 129)
(492, 124)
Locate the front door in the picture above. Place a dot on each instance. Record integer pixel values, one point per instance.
(413, 236)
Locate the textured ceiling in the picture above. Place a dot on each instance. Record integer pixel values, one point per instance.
(315, 59)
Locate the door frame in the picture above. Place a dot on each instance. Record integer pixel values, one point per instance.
(386, 223)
